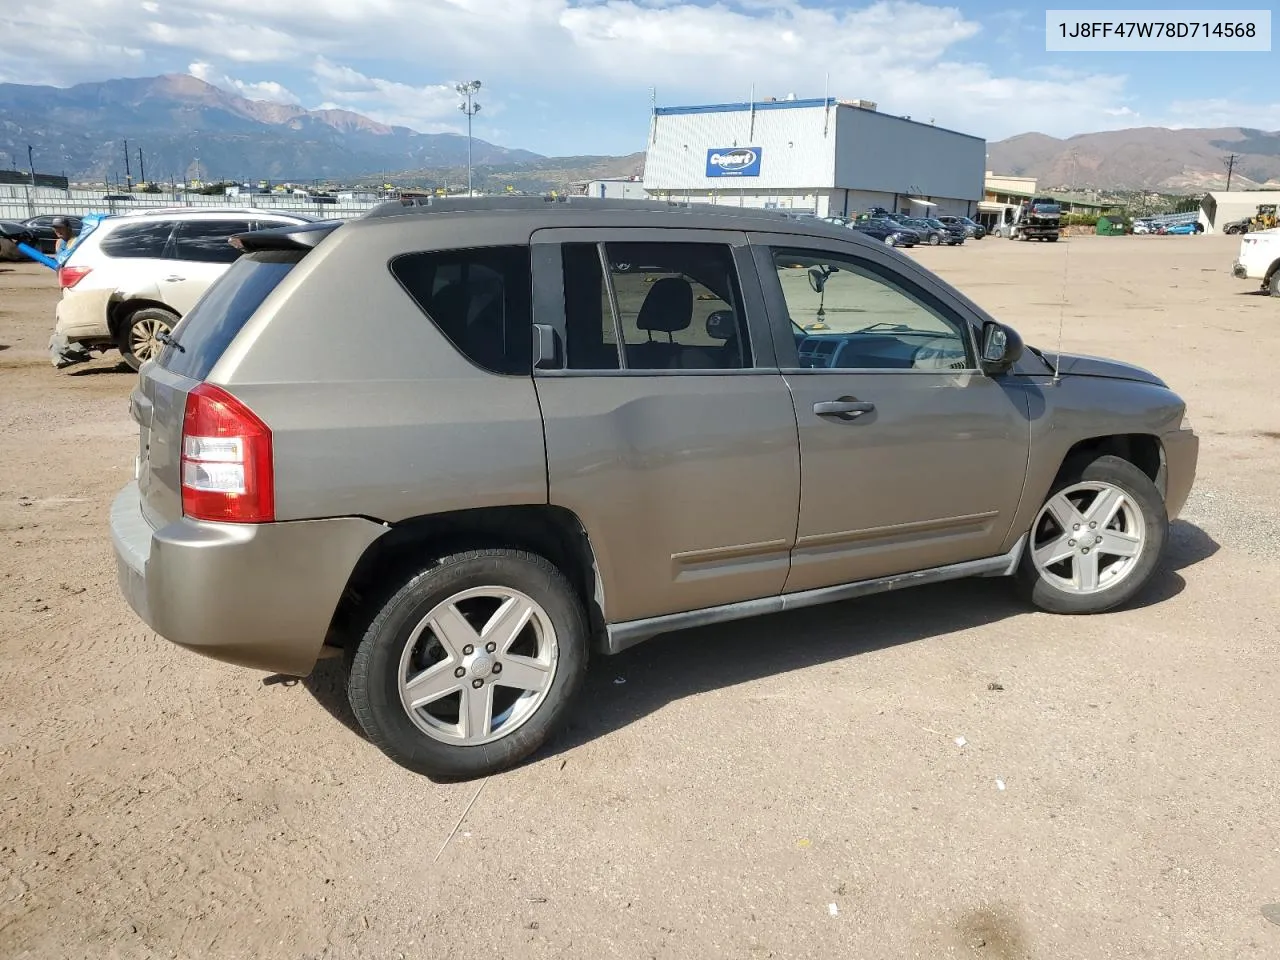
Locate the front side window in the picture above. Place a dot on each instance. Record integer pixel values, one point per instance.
(138, 240)
(479, 299)
(653, 306)
(208, 241)
(849, 313)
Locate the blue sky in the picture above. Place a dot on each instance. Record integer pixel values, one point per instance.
(573, 76)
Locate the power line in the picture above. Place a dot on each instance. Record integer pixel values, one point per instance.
(1231, 165)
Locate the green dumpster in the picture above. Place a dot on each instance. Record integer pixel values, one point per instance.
(1110, 228)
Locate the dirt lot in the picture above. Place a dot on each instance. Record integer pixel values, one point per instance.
(790, 787)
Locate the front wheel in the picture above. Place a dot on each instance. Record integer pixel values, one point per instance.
(934, 239)
(1273, 285)
(140, 338)
(472, 665)
(1096, 541)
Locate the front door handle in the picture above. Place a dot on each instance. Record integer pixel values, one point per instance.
(174, 279)
(846, 408)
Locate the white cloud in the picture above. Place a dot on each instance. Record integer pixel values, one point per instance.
(1223, 113)
(904, 55)
(398, 104)
(262, 90)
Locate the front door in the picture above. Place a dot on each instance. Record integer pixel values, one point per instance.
(670, 432)
(911, 457)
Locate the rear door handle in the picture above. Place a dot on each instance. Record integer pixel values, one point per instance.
(846, 409)
(174, 279)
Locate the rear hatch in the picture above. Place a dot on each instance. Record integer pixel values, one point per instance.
(159, 401)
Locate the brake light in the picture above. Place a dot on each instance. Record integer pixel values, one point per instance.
(227, 471)
(68, 277)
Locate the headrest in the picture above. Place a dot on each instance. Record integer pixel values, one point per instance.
(669, 306)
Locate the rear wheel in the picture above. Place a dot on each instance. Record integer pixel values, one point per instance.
(1273, 285)
(1097, 539)
(472, 665)
(139, 339)
(934, 239)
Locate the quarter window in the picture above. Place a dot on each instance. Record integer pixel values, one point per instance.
(654, 306)
(479, 299)
(208, 241)
(849, 313)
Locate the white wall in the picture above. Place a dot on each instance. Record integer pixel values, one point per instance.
(793, 150)
(876, 151)
(1235, 206)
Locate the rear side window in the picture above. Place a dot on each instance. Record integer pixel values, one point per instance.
(139, 240)
(479, 299)
(204, 334)
(208, 241)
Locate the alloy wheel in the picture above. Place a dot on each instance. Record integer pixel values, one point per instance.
(478, 665)
(1088, 537)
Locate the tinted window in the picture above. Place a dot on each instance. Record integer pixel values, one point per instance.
(138, 239)
(678, 307)
(852, 314)
(208, 241)
(202, 336)
(480, 300)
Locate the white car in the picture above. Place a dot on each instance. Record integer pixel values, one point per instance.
(129, 280)
(1259, 259)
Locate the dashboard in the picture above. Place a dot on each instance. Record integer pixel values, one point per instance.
(882, 350)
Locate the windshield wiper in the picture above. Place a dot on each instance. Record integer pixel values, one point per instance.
(168, 341)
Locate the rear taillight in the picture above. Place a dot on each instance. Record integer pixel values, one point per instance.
(68, 277)
(226, 460)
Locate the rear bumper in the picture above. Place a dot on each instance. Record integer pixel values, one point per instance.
(1181, 455)
(80, 324)
(256, 595)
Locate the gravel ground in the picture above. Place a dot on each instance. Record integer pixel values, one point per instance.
(935, 773)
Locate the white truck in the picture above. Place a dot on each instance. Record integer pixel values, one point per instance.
(1259, 259)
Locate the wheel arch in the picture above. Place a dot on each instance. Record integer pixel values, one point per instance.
(1143, 450)
(1271, 270)
(550, 531)
(120, 310)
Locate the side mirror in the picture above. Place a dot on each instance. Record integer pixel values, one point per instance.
(1001, 347)
(722, 325)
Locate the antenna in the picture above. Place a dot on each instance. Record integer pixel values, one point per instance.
(1062, 309)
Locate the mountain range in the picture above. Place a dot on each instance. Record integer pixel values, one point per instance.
(1144, 158)
(188, 127)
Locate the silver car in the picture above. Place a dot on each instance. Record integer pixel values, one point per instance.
(469, 443)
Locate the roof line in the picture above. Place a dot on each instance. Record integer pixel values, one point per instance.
(811, 103)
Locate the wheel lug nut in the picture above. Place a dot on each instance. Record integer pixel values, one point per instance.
(460, 673)
(1086, 549)
(477, 683)
(497, 668)
(490, 647)
(1097, 540)
(1093, 526)
(1075, 527)
(1071, 543)
(468, 650)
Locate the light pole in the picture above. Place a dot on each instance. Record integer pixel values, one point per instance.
(468, 90)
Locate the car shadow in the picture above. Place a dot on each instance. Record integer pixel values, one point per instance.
(1260, 292)
(622, 689)
(120, 367)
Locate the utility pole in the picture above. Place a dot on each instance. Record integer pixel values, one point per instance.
(142, 171)
(128, 171)
(470, 108)
(1231, 165)
(31, 163)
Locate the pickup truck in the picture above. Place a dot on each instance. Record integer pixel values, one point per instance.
(1259, 259)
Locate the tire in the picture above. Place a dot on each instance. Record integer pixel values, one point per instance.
(934, 239)
(136, 340)
(1139, 522)
(1052, 239)
(1273, 285)
(434, 739)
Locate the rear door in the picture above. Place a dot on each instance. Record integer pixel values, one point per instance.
(912, 457)
(669, 430)
(199, 253)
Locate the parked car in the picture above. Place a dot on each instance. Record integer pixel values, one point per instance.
(1183, 229)
(1259, 259)
(1237, 226)
(36, 232)
(467, 444)
(128, 282)
(972, 228)
(887, 231)
(936, 232)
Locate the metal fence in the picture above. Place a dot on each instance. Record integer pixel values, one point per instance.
(19, 203)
